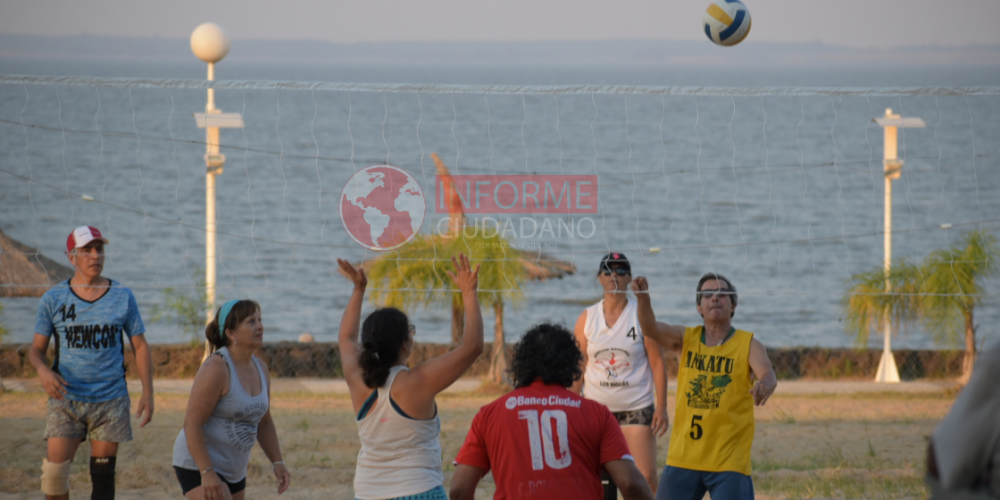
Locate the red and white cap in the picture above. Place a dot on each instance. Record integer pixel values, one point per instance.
(83, 235)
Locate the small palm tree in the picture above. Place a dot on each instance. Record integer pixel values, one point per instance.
(415, 276)
(941, 293)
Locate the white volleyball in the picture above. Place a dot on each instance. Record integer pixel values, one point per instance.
(727, 22)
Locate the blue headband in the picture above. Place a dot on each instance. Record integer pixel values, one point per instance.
(223, 312)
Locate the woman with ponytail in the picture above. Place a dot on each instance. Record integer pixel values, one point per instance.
(397, 417)
(228, 410)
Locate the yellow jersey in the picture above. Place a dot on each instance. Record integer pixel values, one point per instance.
(714, 417)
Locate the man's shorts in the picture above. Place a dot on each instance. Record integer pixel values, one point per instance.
(103, 421)
(677, 483)
(635, 417)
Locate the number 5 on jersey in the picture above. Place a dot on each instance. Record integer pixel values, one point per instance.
(541, 442)
(696, 430)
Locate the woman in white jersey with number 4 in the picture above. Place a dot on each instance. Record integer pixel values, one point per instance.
(622, 368)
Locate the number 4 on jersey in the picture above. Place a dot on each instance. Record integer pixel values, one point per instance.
(631, 333)
(540, 438)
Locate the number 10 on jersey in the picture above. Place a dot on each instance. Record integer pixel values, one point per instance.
(541, 440)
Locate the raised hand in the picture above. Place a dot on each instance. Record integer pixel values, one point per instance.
(639, 284)
(465, 278)
(356, 275)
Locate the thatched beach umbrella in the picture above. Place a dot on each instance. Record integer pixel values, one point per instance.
(25, 272)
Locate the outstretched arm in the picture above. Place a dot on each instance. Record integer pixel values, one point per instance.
(669, 336)
(436, 374)
(350, 350)
(767, 381)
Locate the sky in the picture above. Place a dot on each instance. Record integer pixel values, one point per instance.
(850, 23)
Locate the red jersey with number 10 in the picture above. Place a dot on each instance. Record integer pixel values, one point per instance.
(543, 441)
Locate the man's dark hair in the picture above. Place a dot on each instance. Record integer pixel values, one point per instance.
(549, 352)
(716, 277)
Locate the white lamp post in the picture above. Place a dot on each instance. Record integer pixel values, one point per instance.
(892, 165)
(210, 44)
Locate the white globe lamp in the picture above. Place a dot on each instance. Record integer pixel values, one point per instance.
(209, 43)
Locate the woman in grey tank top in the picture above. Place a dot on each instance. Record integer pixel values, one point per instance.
(398, 423)
(229, 409)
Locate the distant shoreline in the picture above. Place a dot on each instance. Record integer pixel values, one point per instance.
(560, 53)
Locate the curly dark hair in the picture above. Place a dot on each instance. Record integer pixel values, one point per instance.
(549, 352)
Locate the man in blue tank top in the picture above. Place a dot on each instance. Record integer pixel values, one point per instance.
(88, 318)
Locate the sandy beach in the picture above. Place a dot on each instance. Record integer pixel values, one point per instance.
(824, 440)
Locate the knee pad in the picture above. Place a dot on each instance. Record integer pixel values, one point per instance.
(102, 475)
(55, 477)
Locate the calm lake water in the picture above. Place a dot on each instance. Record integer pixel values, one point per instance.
(784, 195)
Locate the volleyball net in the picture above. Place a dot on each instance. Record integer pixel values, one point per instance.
(779, 189)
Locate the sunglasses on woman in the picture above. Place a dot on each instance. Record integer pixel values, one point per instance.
(620, 271)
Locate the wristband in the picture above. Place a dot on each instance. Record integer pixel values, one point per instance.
(206, 470)
(276, 463)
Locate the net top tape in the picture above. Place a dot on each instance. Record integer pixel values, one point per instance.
(439, 88)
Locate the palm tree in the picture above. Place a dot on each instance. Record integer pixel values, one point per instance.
(941, 293)
(415, 276)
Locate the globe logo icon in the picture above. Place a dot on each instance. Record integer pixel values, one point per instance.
(382, 207)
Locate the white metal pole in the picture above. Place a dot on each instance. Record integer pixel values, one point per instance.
(210, 44)
(211, 148)
(887, 371)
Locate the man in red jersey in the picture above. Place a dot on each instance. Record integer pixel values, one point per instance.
(541, 440)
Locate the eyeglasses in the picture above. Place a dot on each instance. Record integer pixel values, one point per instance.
(620, 271)
(412, 330)
(722, 292)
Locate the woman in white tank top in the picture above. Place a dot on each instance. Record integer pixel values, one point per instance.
(397, 417)
(623, 369)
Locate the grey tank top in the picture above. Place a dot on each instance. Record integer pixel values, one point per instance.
(231, 429)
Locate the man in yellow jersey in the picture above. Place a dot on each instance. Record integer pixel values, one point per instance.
(716, 392)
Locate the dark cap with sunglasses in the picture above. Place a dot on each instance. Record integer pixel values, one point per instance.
(618, 260)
